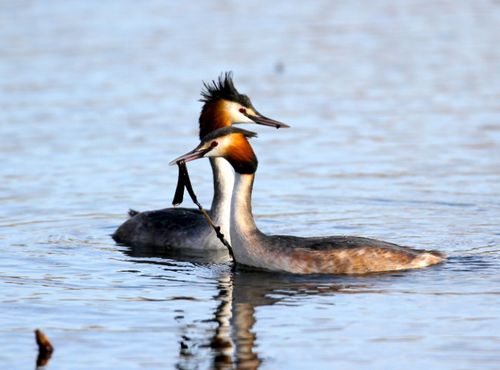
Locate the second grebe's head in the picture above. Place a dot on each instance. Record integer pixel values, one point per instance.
(224, 106)
(230, 143)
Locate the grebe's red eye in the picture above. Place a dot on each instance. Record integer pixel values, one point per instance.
(243, 110)
(213, 144)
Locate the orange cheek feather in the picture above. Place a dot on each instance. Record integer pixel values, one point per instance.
(240, 150)
(213, 117)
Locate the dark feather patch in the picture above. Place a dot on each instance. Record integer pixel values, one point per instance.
(223, 88)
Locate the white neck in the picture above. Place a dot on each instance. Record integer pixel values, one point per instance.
(245, 241)
(220, 211)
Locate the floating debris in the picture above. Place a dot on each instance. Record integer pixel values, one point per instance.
(45, 348)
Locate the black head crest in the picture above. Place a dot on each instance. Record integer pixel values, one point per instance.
(223, 88)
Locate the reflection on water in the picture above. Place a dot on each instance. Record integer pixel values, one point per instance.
(240, 293)
(232, 340)
(235, 339)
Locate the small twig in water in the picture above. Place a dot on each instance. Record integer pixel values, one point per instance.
(181, 184)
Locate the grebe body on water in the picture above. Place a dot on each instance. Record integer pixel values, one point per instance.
(331, 254)
(185, 228)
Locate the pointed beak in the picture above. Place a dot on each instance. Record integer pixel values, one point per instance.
(263, 120)
(190, 156)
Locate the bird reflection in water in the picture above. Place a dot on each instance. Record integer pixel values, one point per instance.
(232, 342)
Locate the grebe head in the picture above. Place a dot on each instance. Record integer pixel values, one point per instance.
(230, 143)
(224, 106)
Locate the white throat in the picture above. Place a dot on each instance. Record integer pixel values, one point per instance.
(220, 211)
(244, 232)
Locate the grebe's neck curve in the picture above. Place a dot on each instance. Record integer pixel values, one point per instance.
(246, 239)
(242, 202)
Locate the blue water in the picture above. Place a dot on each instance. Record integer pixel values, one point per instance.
(395, 114)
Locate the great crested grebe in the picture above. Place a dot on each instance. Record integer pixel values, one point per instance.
(331, 254)
(184, 228)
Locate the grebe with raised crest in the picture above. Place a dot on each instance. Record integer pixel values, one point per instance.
(185, 228)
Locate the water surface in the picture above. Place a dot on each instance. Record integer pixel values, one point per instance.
(395, 114)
